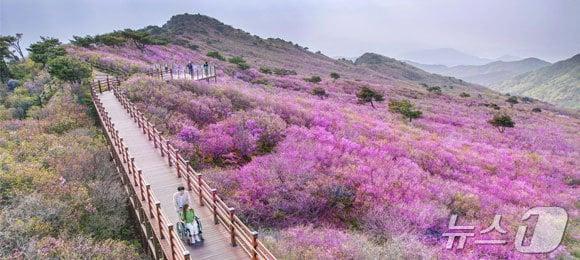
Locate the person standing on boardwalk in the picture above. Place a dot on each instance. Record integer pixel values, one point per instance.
(181, 198)
(190, 68)
(206, 69)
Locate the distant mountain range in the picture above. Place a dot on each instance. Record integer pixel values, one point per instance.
(444, 56)
(451, 57)
(487, 74)
(558, 83)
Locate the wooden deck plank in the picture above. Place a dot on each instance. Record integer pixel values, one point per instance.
(163, 180)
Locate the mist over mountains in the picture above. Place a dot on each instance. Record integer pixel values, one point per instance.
(486, 74)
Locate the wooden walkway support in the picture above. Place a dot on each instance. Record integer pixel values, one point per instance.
(152, 169)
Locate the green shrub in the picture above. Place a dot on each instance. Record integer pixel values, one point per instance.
(69, 69)
(334, 75)
(284, 72)
(320, 92)
(265, 70)
(367, 95)
(216, 55)
(313, 79)
(20, 101)
(62, 126)
(465, 95)
(467, 205)
(405, 108)
(536, 109)
(512, 100)
(435, 89)
(527, 100)
(239, 61)
(501, 122)
(260, 81)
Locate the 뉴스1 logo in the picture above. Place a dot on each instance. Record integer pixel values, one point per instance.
(547, 235)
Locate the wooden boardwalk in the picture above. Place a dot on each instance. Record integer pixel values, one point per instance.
(163, 182)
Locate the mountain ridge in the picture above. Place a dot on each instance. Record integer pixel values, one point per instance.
(558, 83)
(444, 56)
(486, 74)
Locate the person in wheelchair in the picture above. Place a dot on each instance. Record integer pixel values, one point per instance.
(191, 225)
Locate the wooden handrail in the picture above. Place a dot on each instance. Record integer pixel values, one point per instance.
(240, 234)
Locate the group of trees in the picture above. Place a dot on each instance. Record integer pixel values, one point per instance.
(138, 38)
(25, 77)
(49, 53)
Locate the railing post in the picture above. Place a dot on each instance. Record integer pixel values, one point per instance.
(171, 73)
(188, 176)
(171, 240)
(168, 153)
(214, 205)
(232, 228)
(148, 188)
(141, 189)
(144, 124)
(126, 157)
(159, 225)
(199, 190)
(255, 245)
(135, 178)
(100, 89)
(108, 84)
(132, 166)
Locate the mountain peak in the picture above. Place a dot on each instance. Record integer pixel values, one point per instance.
(198, 23)
(372, 58)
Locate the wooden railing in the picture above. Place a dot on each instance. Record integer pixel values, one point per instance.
(164, 229)
(197, 73)
(240, 234)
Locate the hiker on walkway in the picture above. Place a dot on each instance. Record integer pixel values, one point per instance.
(190, 68)
(180, 199)
(205, 69)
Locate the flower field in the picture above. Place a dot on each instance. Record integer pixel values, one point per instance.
(334, 178)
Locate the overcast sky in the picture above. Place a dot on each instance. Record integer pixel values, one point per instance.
(547, 29)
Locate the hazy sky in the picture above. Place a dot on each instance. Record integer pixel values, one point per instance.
(548, 29)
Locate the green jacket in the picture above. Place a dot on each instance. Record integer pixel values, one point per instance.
(188, 217)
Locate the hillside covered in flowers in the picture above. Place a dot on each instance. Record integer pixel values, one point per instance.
(365, 160)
